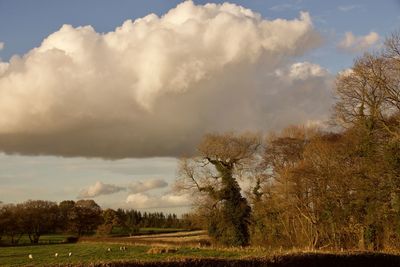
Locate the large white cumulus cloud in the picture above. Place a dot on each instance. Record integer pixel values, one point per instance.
(154, 85)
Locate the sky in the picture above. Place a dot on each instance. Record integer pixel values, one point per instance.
(100, 98)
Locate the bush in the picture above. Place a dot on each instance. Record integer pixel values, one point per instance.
(71, 239)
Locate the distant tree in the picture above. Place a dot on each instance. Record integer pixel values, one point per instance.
(3, 222)
(121, 217)
(11, 218)
(85, 217)
(193, 221)
(66, 208)
(132, 221)
(110, 220)
(40, 217)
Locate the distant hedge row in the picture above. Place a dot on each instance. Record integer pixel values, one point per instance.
(83, 217)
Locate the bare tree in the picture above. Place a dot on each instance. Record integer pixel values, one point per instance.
(221, 160)
(369, 93)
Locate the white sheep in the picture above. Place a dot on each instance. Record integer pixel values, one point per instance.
(70, 254)
(30, 256)
(56, 255)
(109, 249)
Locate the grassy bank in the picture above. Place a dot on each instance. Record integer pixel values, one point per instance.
(175, 249)
(96, 253)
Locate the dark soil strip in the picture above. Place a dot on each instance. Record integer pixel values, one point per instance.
(295, 260)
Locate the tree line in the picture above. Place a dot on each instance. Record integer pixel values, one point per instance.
(83, 217)
(309, 187)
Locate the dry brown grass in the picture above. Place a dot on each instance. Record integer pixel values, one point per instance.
(187, 239)
(161, 250)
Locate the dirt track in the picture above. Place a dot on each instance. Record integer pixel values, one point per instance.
(192, 238)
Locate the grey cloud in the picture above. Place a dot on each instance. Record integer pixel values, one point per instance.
(100, 188)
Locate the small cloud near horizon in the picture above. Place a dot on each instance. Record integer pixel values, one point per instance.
(146, 201)
(140, 187)
(100, 188)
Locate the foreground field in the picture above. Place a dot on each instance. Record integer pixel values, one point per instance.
(176, 249)
(97, 254)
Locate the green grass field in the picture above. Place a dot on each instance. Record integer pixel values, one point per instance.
(86, 253)
(96, 254)
(184, 250)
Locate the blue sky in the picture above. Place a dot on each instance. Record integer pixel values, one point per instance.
(25, 24)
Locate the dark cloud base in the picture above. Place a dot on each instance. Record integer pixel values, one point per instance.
(84, 145)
